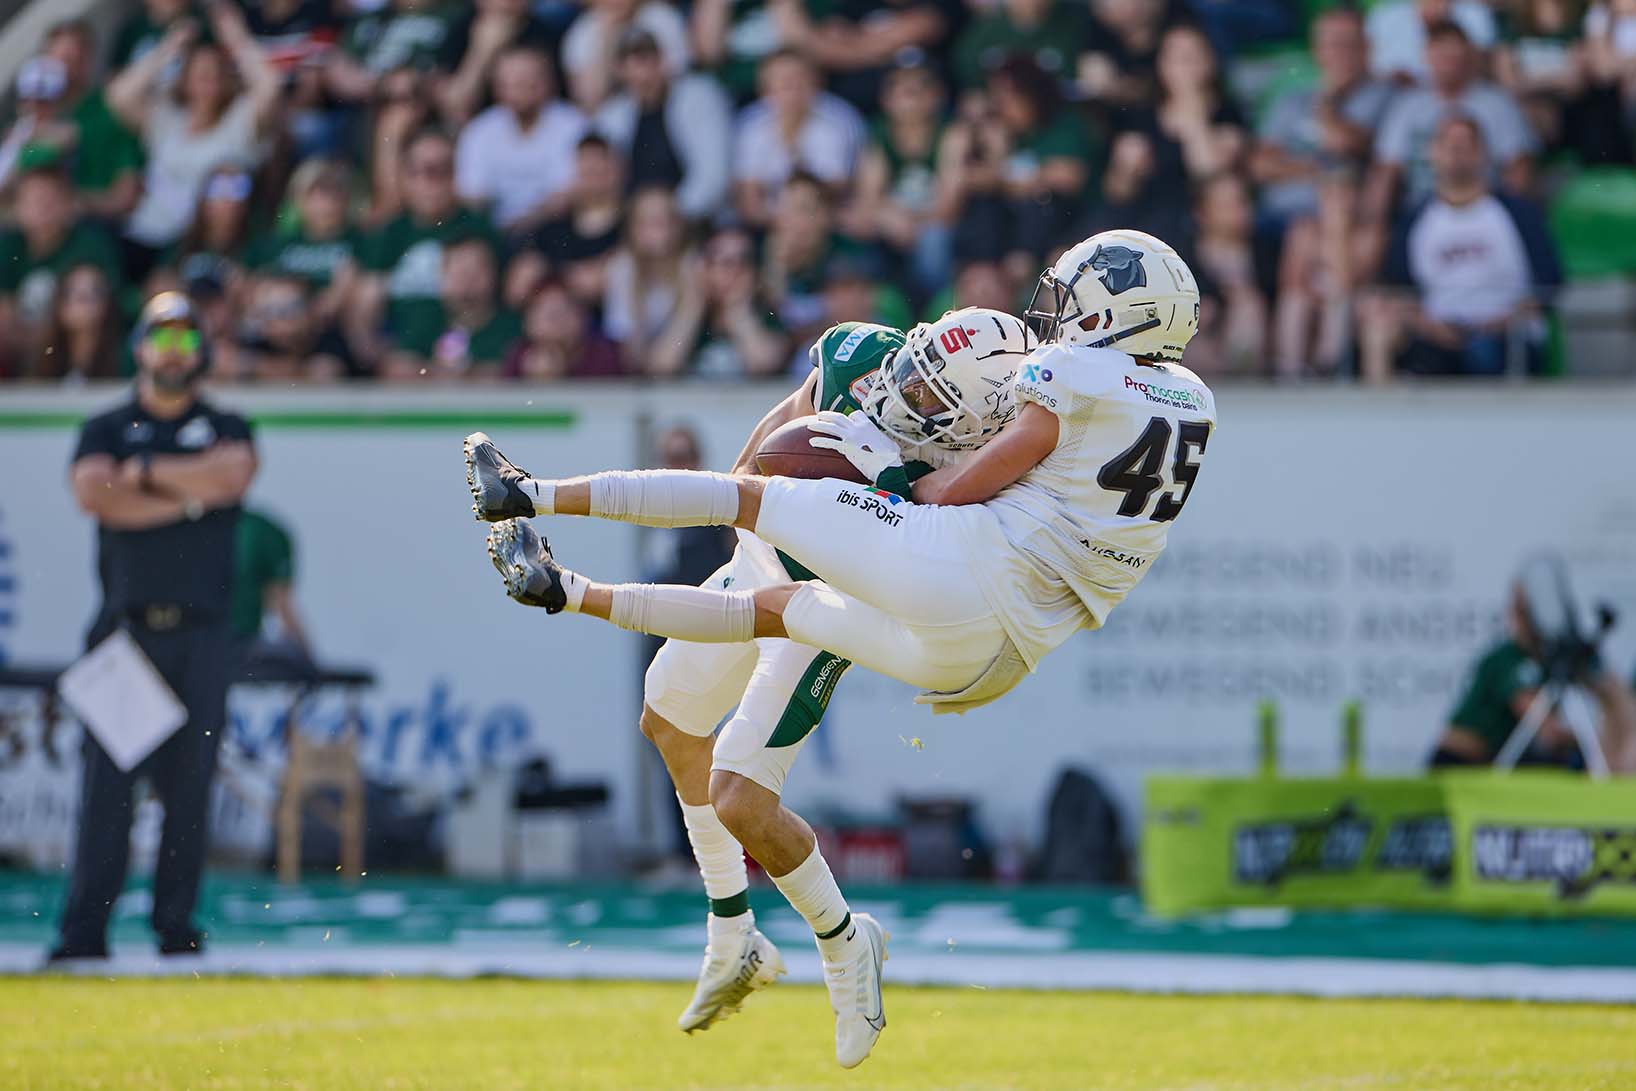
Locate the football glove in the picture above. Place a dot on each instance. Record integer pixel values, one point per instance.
(856, 437)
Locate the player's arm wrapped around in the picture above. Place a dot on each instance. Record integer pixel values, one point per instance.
(873, 452)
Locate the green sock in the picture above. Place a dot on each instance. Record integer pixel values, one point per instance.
(734, 906)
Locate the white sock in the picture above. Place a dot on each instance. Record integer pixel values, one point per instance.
(686, 613)
(574, 585)
(665, 498)
(812, 890)
(719, 855)
(544, 494)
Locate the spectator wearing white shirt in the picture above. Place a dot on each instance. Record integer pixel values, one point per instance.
(674, 131)
(1403, 163)
(1399, 32)
(793, 126)
(516, 159)
(590, 51)
(1473, 270)
(203, 122)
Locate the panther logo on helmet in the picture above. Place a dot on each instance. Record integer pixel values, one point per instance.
(1121, 268)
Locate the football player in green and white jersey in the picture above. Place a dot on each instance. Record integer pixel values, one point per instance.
(1002, 556)
(780, 687)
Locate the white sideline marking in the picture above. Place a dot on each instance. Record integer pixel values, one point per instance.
(1141, 973)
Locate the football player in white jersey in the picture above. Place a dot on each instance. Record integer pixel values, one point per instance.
(781, 688)
(1002, 557)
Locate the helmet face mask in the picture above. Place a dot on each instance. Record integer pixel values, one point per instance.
(950, 384)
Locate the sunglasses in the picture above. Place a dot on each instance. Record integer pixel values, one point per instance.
(174, 339)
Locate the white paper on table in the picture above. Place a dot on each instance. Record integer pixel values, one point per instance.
(117, 691)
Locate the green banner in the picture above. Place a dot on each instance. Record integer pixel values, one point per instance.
(1527, 842)
(1543, 842)
(1213, 843)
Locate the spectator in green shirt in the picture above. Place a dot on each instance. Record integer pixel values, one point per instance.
(107, 159)
(317, 243)
(1503, 685)
(141, 34)
(473, 333)
(1052, 32)
(401, 263)
(46, 241)
(263, 581)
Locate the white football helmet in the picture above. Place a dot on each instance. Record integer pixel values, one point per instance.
(1118, 289)
(950, 383)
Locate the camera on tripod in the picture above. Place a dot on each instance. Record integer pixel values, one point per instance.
(1568, 642)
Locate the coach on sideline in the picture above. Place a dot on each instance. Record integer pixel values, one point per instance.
(162, 475)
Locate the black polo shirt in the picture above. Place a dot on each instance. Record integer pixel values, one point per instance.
(188, 563)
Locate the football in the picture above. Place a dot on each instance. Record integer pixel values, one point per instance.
(786, 452)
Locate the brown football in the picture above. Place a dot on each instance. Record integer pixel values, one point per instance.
(786, 453)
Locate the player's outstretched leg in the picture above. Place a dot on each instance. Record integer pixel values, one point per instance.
(495, 483)
(852, 945)
(738, 959)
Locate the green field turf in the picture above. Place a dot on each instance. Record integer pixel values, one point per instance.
(388, 1034)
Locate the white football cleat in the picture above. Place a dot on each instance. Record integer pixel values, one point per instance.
(855, 993)
(737, 962)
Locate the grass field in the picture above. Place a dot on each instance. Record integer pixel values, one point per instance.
(388, 1034)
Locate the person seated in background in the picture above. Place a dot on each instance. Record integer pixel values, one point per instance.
(1470, 273)
(1134, 194)
(1196, 128)
(143, 30)
(721, 328)
(296, 37)
(202, 123)
(907, 192)
(646, 275)
(283, 336)
(402, 109)
(854, 291)
(1400, 30)
(219, 228)
(674, 131)
(84, 339)
(559, 341)
(1232, 276)
(794, 127)
(1051, 32)
(1402, 175)
(262, 610)
(1117, 67)
(591, 48)
(1313, 145)
(317, 242)
(106, 157)
(576, 246)
(401, 263)
(480, 35)
(978, 282)
(855, 44)
(731, 39)
(1502, 687)
(515, 160)
(1026, 165)
(46, 241)
(380, 39)
(40, 86)
(799, 245)
(473, 333)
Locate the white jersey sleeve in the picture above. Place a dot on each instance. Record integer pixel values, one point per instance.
(1093, 516)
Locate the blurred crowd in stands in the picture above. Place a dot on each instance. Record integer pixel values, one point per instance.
(411, 190)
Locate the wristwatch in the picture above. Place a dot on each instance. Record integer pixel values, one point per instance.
(192, 509)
